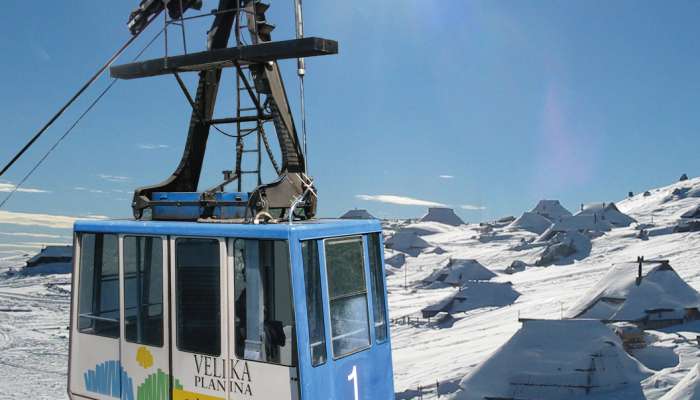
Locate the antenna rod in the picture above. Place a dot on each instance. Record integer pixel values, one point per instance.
(301, 71)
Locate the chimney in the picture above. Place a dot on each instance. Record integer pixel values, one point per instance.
(640, 260)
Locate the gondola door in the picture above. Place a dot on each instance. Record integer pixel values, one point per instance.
(144, 332)
(199, 347)
(262, 344)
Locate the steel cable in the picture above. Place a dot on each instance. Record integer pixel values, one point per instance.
(68, 131)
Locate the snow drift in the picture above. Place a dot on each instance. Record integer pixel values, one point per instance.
(555, 360)
(687, 389)
(564, 248)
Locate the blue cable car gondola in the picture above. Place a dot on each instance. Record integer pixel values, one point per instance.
(229, 311)
(215, 295)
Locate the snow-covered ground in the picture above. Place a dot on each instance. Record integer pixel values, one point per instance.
(426, 354)
(34, 307)
(33, 336)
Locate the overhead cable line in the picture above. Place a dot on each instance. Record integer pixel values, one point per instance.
(70, 129)
(72, 99)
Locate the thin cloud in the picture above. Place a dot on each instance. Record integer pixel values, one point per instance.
(446, 176)
(114, 178)
(84, 189)
(33, 235)
(470, 207)
(153, 146)
(9, 187)
(398, 200)
(41, 53)
(43, 220)
(15, 246)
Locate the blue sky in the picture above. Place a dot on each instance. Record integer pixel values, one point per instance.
(490, 105)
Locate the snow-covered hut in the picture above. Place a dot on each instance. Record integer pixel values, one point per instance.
(515, 266)
(407, 242)
(652, 300)
(458, 272)
(552, 210)
(52, 255)
(564, 248)
(693, 213)
(357, 214)
(428, 228)
(607, 212)
(531, 222)
(397, 260)
(556, 360)
(577, 223)
(473, 295)
(442, 215)
(438, 250)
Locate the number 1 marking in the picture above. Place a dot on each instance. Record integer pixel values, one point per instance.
(353, 377)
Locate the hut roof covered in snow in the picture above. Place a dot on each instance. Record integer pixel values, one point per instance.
(52, 254)
(457, 273)
(609, 213)
(552, 210)
(577, 223)
(428, 228)
(531, 222)
(621, 296)
(555, 360)
(693, 213)
(443, 215)
(408, 242)
(473, 295)
(357, 214)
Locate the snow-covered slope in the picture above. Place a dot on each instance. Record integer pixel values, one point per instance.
(33, 336)
(425, 354)
(688, 388)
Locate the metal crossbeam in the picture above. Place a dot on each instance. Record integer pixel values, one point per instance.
(222, 58)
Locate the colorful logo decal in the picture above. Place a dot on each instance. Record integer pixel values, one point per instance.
(109, 379)
(144, 357)
(179, 394)
(156, 387)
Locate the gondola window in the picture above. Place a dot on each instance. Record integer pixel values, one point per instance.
(264, 317)
(99, 285)
(143, 290)
(314, 301)
(198, 296)
(378, 296)
(347, 288)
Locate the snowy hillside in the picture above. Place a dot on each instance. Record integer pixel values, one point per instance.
(453, 346)
(425, 354)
